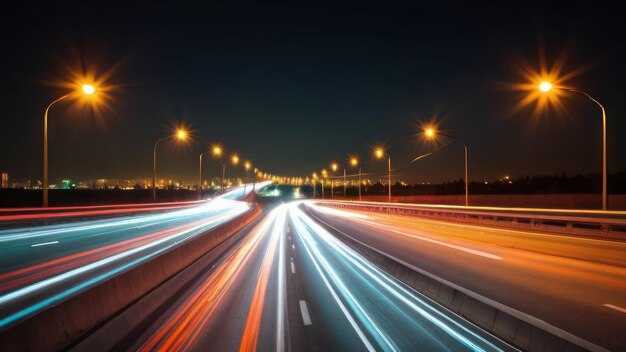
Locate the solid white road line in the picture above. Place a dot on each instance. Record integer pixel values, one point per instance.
(306, 317)
(619, 309)
(44, 243)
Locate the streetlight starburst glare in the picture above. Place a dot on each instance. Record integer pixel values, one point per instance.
(181, 134)
(89, 89)
(545, 86)
(539, 86)
(379, 152)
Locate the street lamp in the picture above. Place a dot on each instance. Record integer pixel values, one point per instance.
(379, 153)
(333, 166)
(431, 133)
(246, 166)
(354, 162)
(87, 90)
(234, 159)
(200, 177)
(546, 87)
(217, 151)
(313, 179)
(180, 135)
(324, 175)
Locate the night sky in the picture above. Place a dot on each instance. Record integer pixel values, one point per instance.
(294, 87)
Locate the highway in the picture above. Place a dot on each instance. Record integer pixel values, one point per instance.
(41, 266)
(290, 285)
(576, 284)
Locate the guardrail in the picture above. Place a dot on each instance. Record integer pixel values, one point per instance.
(604, 224)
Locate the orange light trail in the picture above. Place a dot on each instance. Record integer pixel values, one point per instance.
(250, 334)
(181, 330)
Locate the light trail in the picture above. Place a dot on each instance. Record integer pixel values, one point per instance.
(180, 330)
(359, 219)
(84, 269)
(331, 257)
(505, 209)
(251, 329)
(87, 213)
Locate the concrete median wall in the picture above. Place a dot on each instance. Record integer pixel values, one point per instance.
(61, 325)
(519, 329)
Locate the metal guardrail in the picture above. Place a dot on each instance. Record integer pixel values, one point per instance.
(604, 224)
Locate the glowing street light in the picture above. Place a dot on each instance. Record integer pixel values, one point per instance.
(246, 166)
(431, 134)
(379, 153)
(546, 87)
(180, 135)
(218, 151)
(87, 90)
(324, 175)
(334, 167)
(354, 162)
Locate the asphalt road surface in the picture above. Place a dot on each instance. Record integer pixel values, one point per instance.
(290, 285)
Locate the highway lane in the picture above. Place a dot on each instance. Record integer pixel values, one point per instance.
(290, 285)
(576, 284)
(43, 265)
(235, 304)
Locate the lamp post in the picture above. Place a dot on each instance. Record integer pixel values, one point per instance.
(200, 178)
(180, 135)
(546, 87)
(87, 90)
(333, 167)
(217, 151)
(430, 133)
(380, 153)
(344, 182)
(354, 161)
(313, 178)
(324, 174)
(247, 166)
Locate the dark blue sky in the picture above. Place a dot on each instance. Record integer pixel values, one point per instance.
(294, 87)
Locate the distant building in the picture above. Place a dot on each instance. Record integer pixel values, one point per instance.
(5, 180)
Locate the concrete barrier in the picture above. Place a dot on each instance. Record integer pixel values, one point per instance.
(517, 328)
(61, 325)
